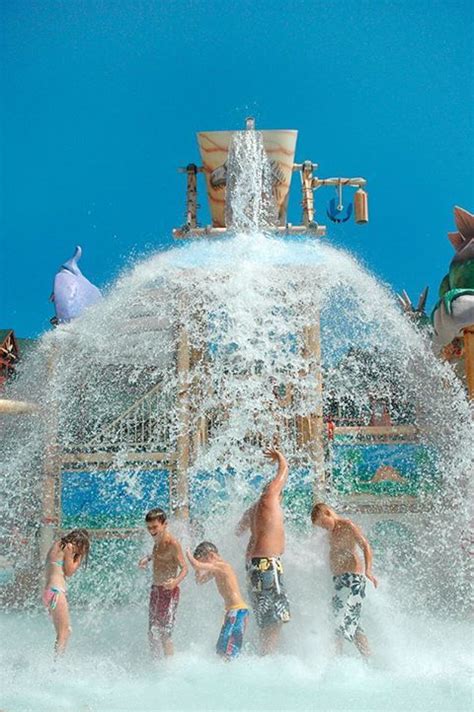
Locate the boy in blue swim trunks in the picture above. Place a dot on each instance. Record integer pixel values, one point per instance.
(208, 564)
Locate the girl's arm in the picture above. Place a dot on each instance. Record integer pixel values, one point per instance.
(72, 561)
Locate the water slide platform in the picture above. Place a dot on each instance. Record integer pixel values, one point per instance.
(14, 407)
(186, 232)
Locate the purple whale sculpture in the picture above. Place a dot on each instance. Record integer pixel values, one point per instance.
(72, 292)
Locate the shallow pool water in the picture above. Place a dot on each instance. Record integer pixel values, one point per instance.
(418, 664)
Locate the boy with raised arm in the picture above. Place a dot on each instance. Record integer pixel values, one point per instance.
(208, 564)
(264, 550)
(169, 569)
(349, 574)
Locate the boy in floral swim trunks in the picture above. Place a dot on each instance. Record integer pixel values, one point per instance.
(169, 569)
(208, 564)
(349, 574)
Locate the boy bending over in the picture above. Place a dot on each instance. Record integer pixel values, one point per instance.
(169, 569)
(349, 574)
(208, 564)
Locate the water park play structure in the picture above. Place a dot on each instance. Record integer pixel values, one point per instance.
(362, 446)
(164, 390)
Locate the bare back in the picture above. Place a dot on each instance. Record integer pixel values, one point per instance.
(267, 527)
(55, 567)
(228, 586)
(343, 554)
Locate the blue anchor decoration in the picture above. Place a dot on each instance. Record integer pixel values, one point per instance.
(335, 211)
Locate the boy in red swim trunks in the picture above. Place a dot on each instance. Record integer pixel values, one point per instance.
(169, 569)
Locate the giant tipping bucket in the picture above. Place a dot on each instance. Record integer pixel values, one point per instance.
(280, 148)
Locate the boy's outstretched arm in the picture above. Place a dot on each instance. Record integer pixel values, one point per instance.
(365, 546)
(203, 576)
(275, 486)
(200, 565)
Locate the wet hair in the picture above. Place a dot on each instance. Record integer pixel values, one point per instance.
(80, 540)
(204, 549)
(156, 513)
(317, 510)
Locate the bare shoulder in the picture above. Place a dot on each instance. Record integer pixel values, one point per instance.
(54, 551)
(269, 498)
(354, 529)
(225, 568)
(175, 545)
(345, 527)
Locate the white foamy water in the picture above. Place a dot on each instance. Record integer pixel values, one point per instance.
(419, 663)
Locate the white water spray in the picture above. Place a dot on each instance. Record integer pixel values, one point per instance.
(244, 303)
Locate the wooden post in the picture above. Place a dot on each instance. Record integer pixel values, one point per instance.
(313, 427)
(469, 359)
(181, 503)
(307, 192)
(191, 196)
(50, 496)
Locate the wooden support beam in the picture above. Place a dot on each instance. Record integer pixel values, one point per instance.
(14, 407)
(129, 458)
(313, 424)
(181, 495)
(191, 196)
(378, 431)
(209, 231)
(112, 533)
(50, 488)
(469, 359)
(307, 193)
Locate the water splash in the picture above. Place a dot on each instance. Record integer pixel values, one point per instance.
(250, 203)
(244, 305)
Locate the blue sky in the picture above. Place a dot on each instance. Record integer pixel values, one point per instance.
(100, 102)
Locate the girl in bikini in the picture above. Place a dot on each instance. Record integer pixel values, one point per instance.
(64, 558)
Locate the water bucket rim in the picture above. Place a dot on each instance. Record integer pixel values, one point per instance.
(262, 131)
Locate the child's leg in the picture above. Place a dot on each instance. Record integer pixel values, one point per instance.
(155, 643)
(167, 644)
(269, 638)
(362, 644)
(60, 617)
(231, 637)
(338, 644)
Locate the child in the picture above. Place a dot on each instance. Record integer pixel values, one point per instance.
(208, 564)
(264, 564)
(63, 559)
(348, 574)
(169, 569)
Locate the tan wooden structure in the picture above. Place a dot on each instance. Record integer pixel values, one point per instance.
(469, 359)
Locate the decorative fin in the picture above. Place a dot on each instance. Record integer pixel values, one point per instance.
(464, 222)
(71, 264)
(422, 300)
(457, 240)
